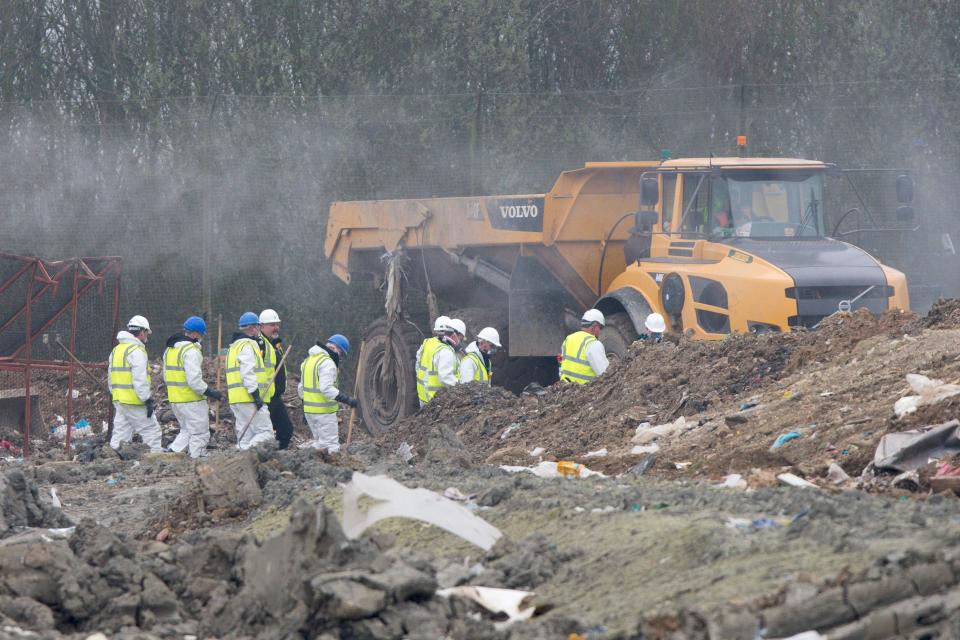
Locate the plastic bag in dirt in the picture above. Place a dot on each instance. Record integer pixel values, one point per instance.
(927, 390)
(509, 602)
(396, 500)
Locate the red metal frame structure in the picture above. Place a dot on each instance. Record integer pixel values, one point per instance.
(50, 276)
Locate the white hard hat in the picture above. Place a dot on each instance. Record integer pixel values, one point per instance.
(440, 324)
(655, 323)
(490, 335)
(592, 315)
(269, 316)
(456, 324)
(138, 322)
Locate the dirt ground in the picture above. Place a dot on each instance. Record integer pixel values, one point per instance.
(251, 546)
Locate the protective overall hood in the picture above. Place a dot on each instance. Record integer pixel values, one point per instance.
(126, 336)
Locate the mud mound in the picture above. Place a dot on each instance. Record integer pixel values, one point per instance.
(452, 408)
(837, 335)
(21, 506)
(652, 383)
(944, 314)
(658, 384)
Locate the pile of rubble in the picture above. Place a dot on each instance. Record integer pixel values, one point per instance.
(308, 578)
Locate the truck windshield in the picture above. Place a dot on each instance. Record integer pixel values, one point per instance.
(766, 204)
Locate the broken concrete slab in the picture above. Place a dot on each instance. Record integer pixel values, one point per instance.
(230, 482)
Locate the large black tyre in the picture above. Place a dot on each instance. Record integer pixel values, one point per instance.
(618, 335)
(386, 397)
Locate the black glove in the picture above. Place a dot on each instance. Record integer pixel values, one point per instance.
(213, 394)
(149, 404)
(347, 400)
(256, 398)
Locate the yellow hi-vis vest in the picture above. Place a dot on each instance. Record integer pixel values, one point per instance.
(175, 375)
(313, 400)
(428, 379)
(574, 366)
(480, 372)
(270, 359)
(236, 392)
(121, 374)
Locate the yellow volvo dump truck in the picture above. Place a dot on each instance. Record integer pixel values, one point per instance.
(716, 245)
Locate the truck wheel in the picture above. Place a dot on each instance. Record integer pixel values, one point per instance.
(388, 396)
(618, 335)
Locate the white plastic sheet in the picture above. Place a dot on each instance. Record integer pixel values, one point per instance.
(792, 480)
(927, 390)
(396, 500)
(548, 469)
(649, 434)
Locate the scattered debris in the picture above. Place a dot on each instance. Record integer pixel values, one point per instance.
(784, 438)
(907, 450)
(550, 469)
(928, 392)
(644, 465)
(405, 451)
(452, 493)
(836, 474)
(509, 602)
(641, 449)
(734, 481)
(506, 432)
(792, 480)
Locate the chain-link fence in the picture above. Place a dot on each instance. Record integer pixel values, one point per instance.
(218, 205)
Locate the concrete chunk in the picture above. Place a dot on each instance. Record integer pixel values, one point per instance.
(230, 482)
(931, 578)
(348, 599)
(867, 596)
(827, 609)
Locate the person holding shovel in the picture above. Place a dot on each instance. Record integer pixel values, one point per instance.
(271, 346)
(248, 385)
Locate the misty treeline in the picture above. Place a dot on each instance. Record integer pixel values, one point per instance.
(202, 140)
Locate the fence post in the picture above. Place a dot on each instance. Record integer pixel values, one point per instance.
(476, 148)
(26, 367)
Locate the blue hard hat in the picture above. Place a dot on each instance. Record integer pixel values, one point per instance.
(248, 319)
(341, 341)
(195, 323)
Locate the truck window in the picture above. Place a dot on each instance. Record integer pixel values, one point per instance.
(667, 200)
(777, 204)
(695, 191)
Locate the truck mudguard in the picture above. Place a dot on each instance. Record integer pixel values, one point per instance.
(629, 299)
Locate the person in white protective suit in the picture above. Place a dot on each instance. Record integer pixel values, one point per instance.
(186, 390)
(475, 365)
(319, 382)
(248, 385)
(437, 361)
(128, 377)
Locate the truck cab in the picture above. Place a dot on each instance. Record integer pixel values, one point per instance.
(737, 245)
